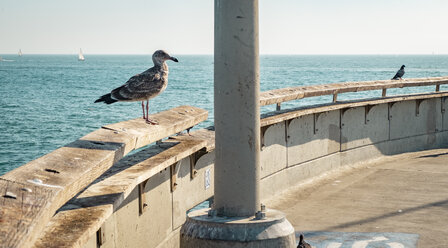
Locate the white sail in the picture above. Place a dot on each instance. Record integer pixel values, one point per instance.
(80, 55)
(20, 53)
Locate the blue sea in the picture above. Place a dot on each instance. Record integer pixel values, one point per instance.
(47, 100)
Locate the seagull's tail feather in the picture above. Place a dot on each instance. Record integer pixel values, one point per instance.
(106, 99)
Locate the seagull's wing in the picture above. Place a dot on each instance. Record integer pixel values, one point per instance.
(137, 86)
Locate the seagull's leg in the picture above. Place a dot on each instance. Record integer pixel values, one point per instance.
(147, 109)
(143, 108)
(188, 131)
(149, 121)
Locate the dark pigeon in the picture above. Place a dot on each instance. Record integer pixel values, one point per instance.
(399, 73)
(143, 86)
(302, 243)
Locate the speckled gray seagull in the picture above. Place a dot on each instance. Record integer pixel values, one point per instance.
(399, 73)
(143, 86)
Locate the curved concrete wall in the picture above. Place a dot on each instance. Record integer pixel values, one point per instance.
(293, 150)
(312, 144)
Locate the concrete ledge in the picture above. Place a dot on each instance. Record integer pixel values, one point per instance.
(201, 230)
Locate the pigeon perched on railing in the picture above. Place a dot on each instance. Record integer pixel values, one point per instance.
(143, 86)
(399, 73)
(302, 243)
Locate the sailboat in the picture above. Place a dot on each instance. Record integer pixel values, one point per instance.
(20, 53)
(80, 56)
(5, 60)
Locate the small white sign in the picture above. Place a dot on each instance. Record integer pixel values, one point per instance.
(207, 178)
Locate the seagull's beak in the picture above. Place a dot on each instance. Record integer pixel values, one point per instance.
(174, 59)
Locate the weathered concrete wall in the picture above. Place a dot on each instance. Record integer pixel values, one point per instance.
(292, 151)
(412, 118)
(160, 223)
(444, 103)
(313, 136)
(364, 126)
(183, 197)
(274, 156)
(318, 143)
(155, 222)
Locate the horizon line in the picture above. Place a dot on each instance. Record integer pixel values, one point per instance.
(261, 54)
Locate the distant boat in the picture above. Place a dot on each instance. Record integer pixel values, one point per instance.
(20, 53)
(5, 60)
(80, 56)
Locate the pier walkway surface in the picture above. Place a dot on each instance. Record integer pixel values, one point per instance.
(396, 201)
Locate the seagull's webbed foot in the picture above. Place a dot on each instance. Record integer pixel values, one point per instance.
(151, 122)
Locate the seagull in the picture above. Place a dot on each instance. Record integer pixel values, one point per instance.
(143, 86)
(399, 74)
(302, 243)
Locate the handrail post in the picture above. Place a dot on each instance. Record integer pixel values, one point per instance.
(278, 107)
(335, 97)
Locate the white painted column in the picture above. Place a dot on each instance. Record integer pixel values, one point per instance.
(237, 110)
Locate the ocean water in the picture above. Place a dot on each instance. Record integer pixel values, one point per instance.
(47, 100)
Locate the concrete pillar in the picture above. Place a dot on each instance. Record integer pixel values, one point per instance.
(237, 110)
(231, 222)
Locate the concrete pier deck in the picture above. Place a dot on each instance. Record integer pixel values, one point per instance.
(396, 201)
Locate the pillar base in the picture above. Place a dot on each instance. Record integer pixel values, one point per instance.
(201, 230)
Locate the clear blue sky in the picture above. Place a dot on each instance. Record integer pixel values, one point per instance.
(186, 26)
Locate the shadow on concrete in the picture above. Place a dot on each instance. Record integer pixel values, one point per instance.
(434, 155)
(123, 164)
(443, 203)
(96, 145)
(135, 158)
(92, 201)
(116, 147)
